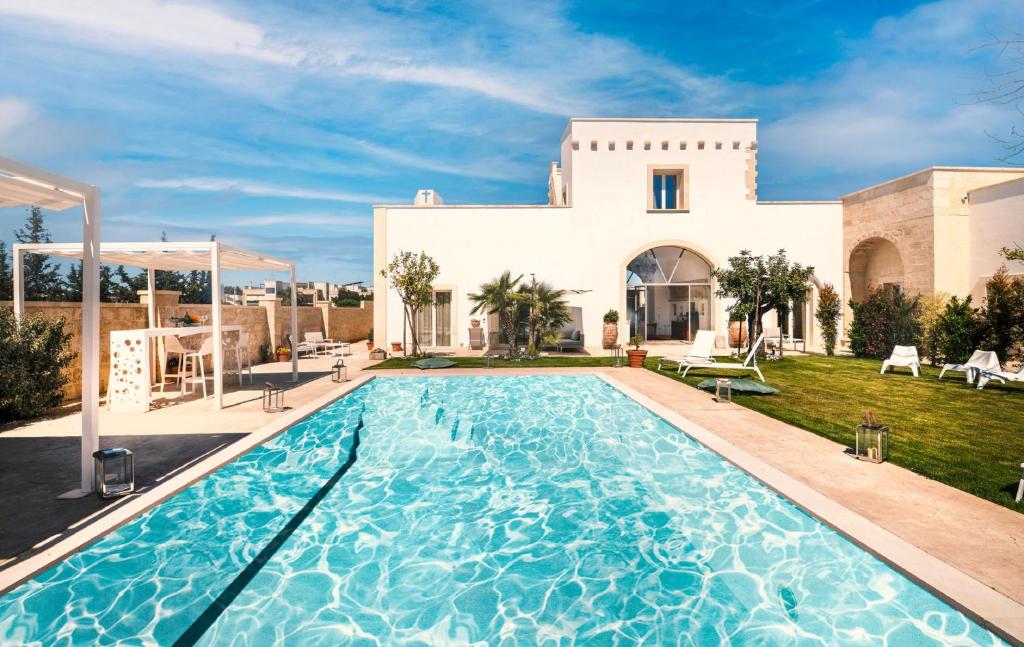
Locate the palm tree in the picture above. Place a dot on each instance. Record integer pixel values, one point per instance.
(500, 296)
(547, 311)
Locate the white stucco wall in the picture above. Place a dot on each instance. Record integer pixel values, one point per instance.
(996, 221)
(587, 245)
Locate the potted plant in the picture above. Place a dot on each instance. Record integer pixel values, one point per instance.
(636, 356)
(369, 340)
(396, 347)
(611, 329)
(283, 353)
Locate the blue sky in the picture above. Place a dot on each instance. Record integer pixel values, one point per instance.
(276, 126)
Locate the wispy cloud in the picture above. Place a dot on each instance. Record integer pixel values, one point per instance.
(247, 187)
(14, 113)
(326, 219)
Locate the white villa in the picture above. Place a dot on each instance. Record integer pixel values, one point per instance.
(641, 210)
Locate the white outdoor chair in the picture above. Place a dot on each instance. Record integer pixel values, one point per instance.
(1001, 376)
(173, 347)
(316, 339)
(699, 355)
(749, 363)
(981, 360)
(195, 365)
(307, 347)
(241, 351)
(903, 356)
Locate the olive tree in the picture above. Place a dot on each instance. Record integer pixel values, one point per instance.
(412, 276)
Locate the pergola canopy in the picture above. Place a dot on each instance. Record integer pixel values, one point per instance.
(24, 186)
(167, 255)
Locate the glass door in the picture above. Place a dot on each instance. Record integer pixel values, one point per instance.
(636, 310)
(434, 323)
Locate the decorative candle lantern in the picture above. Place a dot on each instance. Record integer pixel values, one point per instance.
(340, 372)
(273, 398)
(488, 361)
(114, 473)
(617, 355)
(872, 443)
(723, 385)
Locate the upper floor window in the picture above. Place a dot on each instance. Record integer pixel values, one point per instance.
(667, 189)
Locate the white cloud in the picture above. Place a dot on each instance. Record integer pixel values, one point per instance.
(184, 27)
(327, 219)
(247, 187)
(14, 113)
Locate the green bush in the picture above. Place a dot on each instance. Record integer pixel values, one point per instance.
(884, 319)
(932, 307)
(827, 314)
(612, 316)
(1004, 315)
(33, 357)
(960, 329)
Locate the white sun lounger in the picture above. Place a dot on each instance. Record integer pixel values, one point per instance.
(903, 356)
(317, 341)
(1002, 376)
(699, 355)
(981, 360)
(749, 364)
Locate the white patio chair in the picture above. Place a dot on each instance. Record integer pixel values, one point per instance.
(173, 347)
(241, 351)
(1001, 376)
(318, 341)
(980, 360)
(195, 365)
(749, 363)
(699, 355)
(905, 356)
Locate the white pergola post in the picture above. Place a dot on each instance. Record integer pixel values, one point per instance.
(19, 281)
(295, 327)
(218, 322)
(90, 335)
(156, 353)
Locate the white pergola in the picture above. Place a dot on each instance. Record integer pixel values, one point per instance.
(22, 185)
(207, 255)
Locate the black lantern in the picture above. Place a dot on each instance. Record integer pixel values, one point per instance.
(273, 398)
(114, 472)
(340, 372)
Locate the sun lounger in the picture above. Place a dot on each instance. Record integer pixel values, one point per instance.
(1002, 376)
(317, 341)
(981, 360)
(905, 356)
(749, 364)
(699, 355)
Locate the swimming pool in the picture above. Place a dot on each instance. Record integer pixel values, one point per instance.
(478, 510)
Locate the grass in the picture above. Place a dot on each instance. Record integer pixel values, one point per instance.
(945, 430)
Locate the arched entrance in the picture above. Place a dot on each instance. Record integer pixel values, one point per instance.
(875, 263)
(668, 294)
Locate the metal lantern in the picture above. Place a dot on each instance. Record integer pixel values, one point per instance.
(273, 398)
(340, 373)
(723, 384)
(114, 473)
(617, 355)
(488, 361)
(872, 442)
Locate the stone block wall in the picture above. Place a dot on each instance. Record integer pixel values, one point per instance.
(349, 324)
(253, 320)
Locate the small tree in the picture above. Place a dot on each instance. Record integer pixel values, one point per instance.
(34, 357)
(932, 307)
(960, 330)
(547, 311)
(787, 283)
(501, 297)
(828, 312)
(412, 276)
(42, 279)
(6, 275)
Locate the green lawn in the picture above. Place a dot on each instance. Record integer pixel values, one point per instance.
(946, 430)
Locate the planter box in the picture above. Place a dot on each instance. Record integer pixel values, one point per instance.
(378, 355)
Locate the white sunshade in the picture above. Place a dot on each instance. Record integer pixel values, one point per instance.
(167, 255)
(22, 186)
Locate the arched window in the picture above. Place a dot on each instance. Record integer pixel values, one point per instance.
(668, 294)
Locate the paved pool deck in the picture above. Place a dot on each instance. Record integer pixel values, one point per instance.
(976, 548)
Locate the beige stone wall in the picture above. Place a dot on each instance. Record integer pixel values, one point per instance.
(113, 316)
(253, 320)
(280, 318)
(349, 324)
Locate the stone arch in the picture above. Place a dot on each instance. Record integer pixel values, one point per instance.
(874, 263)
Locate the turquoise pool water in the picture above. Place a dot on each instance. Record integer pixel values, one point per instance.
(462, 510)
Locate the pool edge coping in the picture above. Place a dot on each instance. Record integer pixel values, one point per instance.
(989, 608)
(28, 568)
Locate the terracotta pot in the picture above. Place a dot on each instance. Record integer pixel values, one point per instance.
(283, 357)
(610, 336)
(734, 333)
(636, 358)
(396, 347)
(369, 345)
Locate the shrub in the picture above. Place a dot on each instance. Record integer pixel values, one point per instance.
(611, 317)
(960, 329)
(828, 312)
(932, 307)
(886, 318)
(1004, 314)
(33, 357)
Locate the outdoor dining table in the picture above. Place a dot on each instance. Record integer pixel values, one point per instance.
(129, 388)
